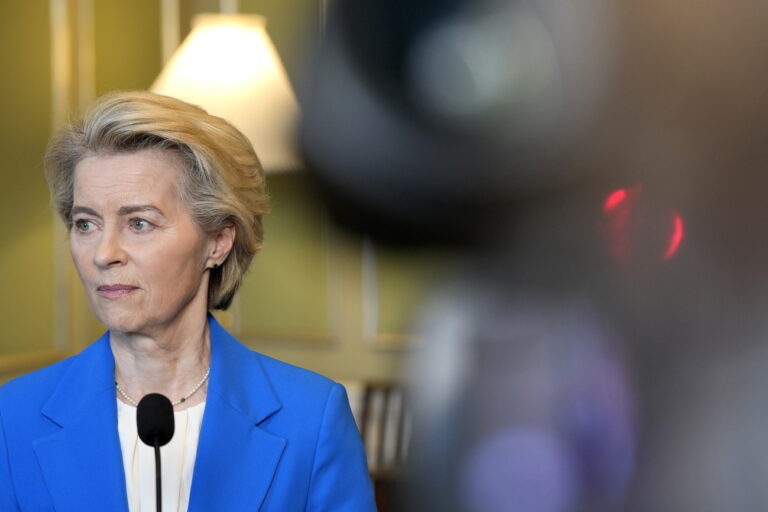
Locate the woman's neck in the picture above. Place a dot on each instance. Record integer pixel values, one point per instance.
(171, 362)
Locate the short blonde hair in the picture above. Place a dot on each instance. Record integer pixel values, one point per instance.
(223, 183)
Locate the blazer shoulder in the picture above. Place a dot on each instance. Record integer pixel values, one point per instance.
(305, 380)
(245, 365)
(34, 387)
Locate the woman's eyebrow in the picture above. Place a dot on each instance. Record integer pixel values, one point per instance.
(84, 209)
(127, 210)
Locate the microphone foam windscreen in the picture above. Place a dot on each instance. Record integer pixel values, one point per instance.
(154, 419)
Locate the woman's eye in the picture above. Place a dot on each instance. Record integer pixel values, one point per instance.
(83, 226)
(139, 224)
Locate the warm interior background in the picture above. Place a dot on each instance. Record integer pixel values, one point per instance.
(315, 297)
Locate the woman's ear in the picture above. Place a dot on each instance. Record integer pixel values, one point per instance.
(223, 242)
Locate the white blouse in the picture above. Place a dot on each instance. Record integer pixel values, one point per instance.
(178, 460)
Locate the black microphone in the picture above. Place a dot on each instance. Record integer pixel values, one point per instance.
(154, 420)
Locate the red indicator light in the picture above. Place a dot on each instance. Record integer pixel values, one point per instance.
(636, 227)
(676, 237)
(614, 199)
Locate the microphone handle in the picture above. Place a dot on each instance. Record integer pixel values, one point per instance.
(158, 487)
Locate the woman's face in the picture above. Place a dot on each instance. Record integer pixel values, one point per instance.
(139, 253)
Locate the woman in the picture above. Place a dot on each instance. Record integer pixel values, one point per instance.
(164, 203)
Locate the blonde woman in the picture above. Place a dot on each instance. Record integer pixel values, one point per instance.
(164, 207)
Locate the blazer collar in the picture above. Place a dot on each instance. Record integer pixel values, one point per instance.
(238, 378)
(89, 378)
(236, 460)
(81, 463)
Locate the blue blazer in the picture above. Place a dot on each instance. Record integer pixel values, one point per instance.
(274, 438)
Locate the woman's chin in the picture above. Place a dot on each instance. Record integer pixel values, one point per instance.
(122, 323)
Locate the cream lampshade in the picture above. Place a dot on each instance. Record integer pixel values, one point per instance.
(229, 66)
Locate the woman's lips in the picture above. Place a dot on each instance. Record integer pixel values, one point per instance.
(115, 291)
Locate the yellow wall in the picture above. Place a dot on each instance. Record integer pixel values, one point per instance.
(311, 298)
(26, 254)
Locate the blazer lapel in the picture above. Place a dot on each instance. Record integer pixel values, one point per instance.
(236, 460)
(82, 463)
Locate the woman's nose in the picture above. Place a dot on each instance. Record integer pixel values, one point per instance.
(109, 251)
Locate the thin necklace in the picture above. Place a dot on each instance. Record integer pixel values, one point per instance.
(177, 402)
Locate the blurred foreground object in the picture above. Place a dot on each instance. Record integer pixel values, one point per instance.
(422, 121)
(605, 348)
(229, 66)
(522, 403)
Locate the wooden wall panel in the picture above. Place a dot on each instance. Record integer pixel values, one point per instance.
(26, 251)
(286, 293)
(395, 285)
(188, 9)
(292, 25)
(128, 50)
